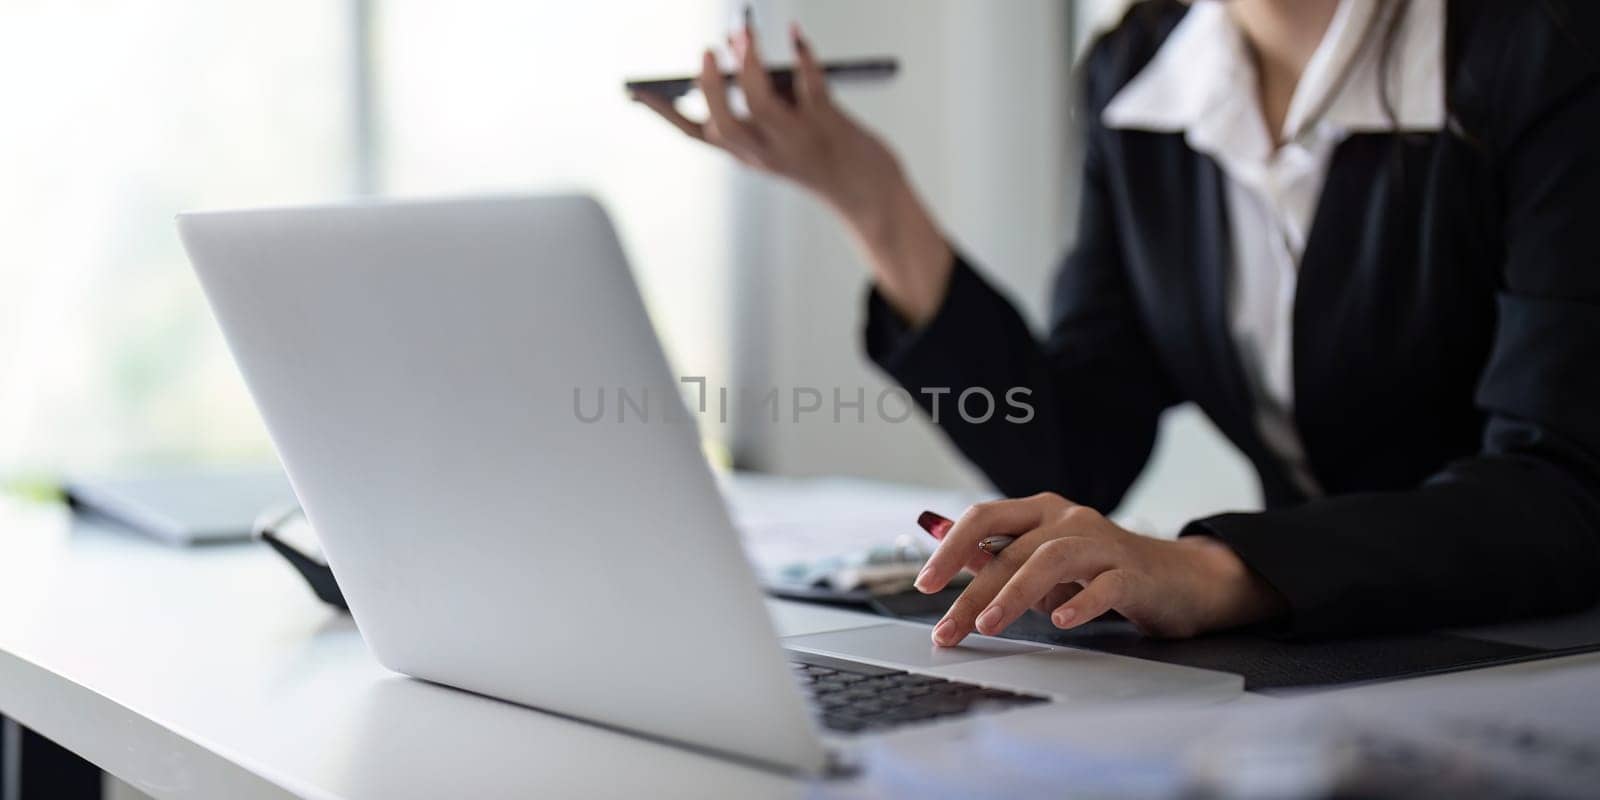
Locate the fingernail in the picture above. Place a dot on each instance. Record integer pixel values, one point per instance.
(1064, 617)
(921, 583)
(944, 633)
(989, 620)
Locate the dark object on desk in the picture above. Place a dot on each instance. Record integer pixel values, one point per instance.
(838, 72)
(194, 506)
(1272, 664)
(822, 596)
(316, 572)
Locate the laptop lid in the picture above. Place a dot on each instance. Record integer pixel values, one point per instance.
(429, 374)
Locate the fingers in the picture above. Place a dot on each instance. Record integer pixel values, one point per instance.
(1071, 558)
(767, 110)
(1111, 589)
(811, 84)
(961, 618)
(722, 127)
(669, 112)
(774, 131)
(1057, 595)
(982, 520)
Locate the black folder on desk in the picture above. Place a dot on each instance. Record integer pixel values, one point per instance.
(1269, 664)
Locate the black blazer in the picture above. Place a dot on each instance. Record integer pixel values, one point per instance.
(1446, 338)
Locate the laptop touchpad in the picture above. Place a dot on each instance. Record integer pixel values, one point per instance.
(906, 645)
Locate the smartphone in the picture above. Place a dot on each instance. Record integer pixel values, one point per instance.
(866, 70)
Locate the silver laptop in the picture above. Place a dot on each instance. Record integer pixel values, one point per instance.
(419, 366)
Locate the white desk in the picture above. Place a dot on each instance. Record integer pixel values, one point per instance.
(214, 673)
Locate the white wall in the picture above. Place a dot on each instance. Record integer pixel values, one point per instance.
(979, 116)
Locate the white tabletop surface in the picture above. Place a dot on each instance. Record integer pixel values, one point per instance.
(213, 672)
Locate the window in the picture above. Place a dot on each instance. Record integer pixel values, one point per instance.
(119, 115)
(526, 95)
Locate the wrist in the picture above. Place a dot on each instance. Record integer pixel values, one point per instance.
(875, 205)
(911, 261)
(1236, 594)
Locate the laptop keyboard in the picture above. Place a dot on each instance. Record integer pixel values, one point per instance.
(850, 697)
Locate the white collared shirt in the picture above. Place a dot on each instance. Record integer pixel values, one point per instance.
(1202, 83)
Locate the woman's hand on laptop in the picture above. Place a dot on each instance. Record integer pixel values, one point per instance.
(1072, 563)
(814, 143)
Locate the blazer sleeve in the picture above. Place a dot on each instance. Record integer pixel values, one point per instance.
(1094, 385)
(1515, 530)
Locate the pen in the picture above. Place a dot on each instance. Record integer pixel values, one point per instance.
(937, 526)
(994, 544)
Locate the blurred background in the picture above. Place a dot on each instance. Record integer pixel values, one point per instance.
(121, 113)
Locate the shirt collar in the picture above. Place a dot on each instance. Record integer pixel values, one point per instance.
(1202, 78)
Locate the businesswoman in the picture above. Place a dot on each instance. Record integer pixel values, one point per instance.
(1362, 235)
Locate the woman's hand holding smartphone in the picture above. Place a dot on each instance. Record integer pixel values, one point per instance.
(814, 143)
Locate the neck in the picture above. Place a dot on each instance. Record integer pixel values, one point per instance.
(1282, 35)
